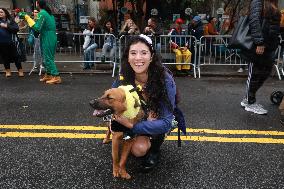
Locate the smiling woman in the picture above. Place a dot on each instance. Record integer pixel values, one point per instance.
(142, 66)
(139, 59)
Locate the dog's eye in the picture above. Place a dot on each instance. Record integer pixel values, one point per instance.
(109, 97)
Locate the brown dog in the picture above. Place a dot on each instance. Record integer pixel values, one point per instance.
(122, 101)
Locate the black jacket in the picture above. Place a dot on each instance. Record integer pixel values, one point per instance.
(196, 30)
(6, 33)
(264, 29)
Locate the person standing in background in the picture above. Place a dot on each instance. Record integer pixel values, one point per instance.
(8, 50)
(264, 22)
(45, 25)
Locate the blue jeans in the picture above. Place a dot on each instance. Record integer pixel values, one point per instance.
(158, 47)
(89, 55)
(111, 49)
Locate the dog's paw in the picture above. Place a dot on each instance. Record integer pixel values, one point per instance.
(106, 140)
(124, 174)
(115, 171)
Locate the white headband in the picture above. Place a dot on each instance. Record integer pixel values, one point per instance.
(148, 39)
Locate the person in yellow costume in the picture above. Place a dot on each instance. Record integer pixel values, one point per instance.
(45, 25)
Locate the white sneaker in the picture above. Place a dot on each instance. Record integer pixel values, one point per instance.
(244, 102)
(241, 70)
(256, 108)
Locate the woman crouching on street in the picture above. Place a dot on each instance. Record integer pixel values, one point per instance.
(142, 66)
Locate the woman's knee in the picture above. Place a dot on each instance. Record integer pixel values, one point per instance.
(139, 150)
(140, 147)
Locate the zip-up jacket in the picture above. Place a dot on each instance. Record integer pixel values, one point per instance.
(164, 122)
(264, 32)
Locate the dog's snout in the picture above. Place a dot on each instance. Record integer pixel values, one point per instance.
(94, 103)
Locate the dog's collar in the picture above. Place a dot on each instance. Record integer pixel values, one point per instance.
(132, 98)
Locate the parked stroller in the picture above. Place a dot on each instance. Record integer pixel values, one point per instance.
(276, 97)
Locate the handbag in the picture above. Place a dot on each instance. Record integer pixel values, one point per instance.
(20, 48)
(241, 38)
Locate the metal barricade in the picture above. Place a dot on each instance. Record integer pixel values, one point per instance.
(72, 43)
(162, 45)
(279, 63)
(213, 50)
(209, 50)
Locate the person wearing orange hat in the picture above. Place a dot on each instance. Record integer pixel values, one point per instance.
(180, 47)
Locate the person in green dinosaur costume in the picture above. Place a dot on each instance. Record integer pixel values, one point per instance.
(45, 25)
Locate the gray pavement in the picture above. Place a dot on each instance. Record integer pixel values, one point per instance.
(211, 103)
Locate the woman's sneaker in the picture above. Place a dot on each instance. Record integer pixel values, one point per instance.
(256, 108)
(244, 102)
(241, 70)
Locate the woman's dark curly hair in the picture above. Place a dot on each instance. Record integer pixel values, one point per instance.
(8, 15)
(155, 86)
(107, 29)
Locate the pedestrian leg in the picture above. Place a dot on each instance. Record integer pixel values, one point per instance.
(187, 59)
(178, 59)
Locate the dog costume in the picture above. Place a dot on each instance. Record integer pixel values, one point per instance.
(133, 105)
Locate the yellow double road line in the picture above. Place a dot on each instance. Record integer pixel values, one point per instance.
(52, 127)
(268, 139)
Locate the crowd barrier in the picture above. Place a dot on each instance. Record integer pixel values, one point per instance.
(279, 63)
(70, 50)
(213, 50)
(208, 51)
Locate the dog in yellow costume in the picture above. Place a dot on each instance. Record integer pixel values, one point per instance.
(122, 101)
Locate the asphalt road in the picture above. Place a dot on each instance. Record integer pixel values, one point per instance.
(226, 147)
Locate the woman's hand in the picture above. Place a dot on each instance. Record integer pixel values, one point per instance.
(123, 121)
(260, 49)
(152, 116)
(3, 25)
(183, 48)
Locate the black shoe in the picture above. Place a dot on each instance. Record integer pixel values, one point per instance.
(103, 60)
(179, 73)
(153, 156)
(150, 162)
(186, 72)
(87, 68)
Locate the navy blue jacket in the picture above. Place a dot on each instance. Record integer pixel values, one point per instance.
(6, 33)
(196, 30)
